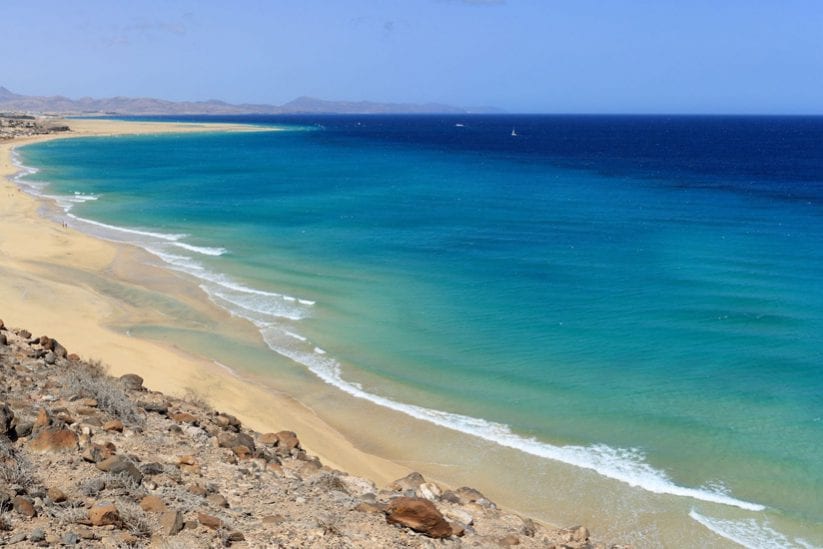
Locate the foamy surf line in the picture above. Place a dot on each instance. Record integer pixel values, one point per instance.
(749, 533)
(624, 465)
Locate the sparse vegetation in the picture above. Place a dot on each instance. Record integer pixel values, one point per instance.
(89, 380)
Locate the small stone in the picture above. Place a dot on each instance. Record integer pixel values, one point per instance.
(209, 521)
(37, 535)
(113, 425)
(24, 506)
(161, 409)
(70, 538)
(217, 500)
(120, 465)
(103, 514)
(509, 540)
(268, 439)
(50, 358)
(186, 460)
(43, 419)
(20, 537)
(56, 495)
(273, 519)
(368, 507)
(184, 417)
(133, 382)
(429, 491)
(152, 504)
(287, 440)
(171, 522)
(412, 481)
(197, 490)
(236, 536)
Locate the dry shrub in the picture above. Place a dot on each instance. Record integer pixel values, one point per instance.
(89, 380)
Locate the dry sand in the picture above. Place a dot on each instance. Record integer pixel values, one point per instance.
(35, 292)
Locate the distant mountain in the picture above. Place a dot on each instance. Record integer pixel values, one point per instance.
(13, 102)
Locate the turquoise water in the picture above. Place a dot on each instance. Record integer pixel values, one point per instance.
(651, 308)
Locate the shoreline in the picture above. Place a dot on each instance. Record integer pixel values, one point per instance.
(34, 249)
(330, 423)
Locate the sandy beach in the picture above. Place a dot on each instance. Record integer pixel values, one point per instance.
(42, 268)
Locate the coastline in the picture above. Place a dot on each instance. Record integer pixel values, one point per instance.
(34, 254)
(59, 273)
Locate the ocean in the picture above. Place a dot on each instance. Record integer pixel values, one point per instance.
(636, 299)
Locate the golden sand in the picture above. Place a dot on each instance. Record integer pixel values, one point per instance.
(36, 291)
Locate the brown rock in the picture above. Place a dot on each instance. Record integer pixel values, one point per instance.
(217, 500)
(25, 334)
(186, 460)
(103, 514)
(54, 440)
(113, 425)
(509, 540)
(3, 339)
(96, 453)
(287, 440)
(209, 521)
(412, 481)
(273, 519)
(230, 440)
(268, 439)
(184, 417)
(242, 451)
(24, 506)
(227, 420)
(133, 382)
(7, 421)
(236, 536)
(56, 495)
(73, 357)
(468, 495)
(47, 343)
(2, 326)
(59, 350)
(197, 490)
(171, 522)
(152, 504)
(120, 465)
(418, 514)
(367, 507)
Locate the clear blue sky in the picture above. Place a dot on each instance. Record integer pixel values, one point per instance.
(715, 56)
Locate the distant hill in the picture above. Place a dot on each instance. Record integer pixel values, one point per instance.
(13, 102)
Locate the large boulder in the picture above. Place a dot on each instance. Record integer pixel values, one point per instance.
(418, 514)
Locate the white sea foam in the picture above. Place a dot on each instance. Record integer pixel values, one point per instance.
(205, 250)
(251, 303)
(161, 236)
(298, 337)
(624, 465)
(749, 533)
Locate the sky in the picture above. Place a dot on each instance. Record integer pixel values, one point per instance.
(573, 56)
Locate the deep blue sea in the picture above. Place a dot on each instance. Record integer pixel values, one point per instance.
(638, 296)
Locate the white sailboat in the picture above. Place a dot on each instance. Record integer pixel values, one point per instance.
(514, 133)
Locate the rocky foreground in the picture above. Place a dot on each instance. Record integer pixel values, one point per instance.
(88, 460)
